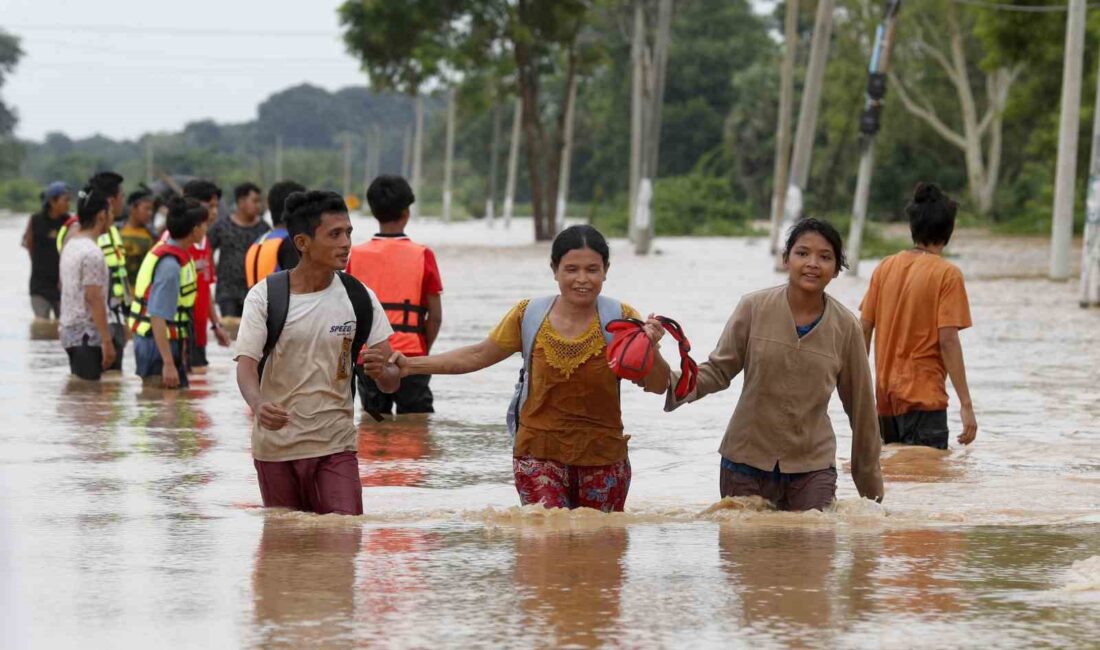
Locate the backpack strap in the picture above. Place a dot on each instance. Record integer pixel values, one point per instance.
(609, 310)
(364, 319)
(533, 316)
(278, 304)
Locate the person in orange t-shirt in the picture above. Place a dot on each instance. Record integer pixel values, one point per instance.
(917, 303)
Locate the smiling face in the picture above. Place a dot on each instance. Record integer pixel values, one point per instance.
(580, 275)
(811, 263)
(330, 245)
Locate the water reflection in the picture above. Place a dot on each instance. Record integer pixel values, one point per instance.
(570, 584)
(171, 423)
(303, 581)
(918, 566)
(388, 451)
(781, 575)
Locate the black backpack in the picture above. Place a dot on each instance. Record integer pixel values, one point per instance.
(278, 305)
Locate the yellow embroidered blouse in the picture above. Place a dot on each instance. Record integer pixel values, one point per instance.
(572, 412)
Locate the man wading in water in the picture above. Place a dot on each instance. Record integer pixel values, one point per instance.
(302, 330)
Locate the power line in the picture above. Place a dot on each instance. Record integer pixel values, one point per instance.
(171, 31)
(147, 56)
(1035, 9)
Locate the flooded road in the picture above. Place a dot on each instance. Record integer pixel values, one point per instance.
(131, 518)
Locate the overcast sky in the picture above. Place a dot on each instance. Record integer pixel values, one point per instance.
(122, 68)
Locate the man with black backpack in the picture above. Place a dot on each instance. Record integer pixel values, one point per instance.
(300, 338)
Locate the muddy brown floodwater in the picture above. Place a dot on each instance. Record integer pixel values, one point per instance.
(131, 518)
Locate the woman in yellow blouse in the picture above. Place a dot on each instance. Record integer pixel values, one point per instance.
(569, 450)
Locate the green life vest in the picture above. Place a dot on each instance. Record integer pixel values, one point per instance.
(180, 327)
(114, 253)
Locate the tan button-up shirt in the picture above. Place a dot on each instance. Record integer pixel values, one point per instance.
(782, 416)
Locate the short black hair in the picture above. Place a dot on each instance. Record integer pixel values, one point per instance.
(389, 197)
(201, 189)
(107, 182)
(90, 202)
(184, 215)
(138, 196)
(577, 238)
(276, 198)
(244, 189)
(304, 210)
(823, 228)
(931, 215)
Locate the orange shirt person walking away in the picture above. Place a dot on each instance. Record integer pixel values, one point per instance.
(917, 304)
(405, 277)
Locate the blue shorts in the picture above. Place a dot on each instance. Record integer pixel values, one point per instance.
(149, 363)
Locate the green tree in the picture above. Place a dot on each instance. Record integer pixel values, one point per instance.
(11, 152)
(406, 45)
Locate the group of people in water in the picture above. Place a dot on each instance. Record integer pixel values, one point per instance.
(321, 318)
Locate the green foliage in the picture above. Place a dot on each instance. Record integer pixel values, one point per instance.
(698, 205)
(20, 195)
(10, 53)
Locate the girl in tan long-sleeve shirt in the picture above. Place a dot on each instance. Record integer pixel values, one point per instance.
(795, 344)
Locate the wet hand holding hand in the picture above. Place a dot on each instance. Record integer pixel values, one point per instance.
(272, 416)
(375, 362)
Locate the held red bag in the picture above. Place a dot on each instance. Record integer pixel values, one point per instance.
(631, 354)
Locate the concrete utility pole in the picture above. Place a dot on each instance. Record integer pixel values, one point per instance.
(637, 89)
(278, 158)
(494, 164)
(1090, 253)
(513, 163)
(649, 86)
(1061, 239)
(566, 159)
(448, 159)
(406, 153)
(368, 151)
(149, 171)
(868, 126)
(418, 145)
(347, 164)
(807, 112)
(783, 127)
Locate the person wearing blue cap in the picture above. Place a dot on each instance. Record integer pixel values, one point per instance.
(40, 240)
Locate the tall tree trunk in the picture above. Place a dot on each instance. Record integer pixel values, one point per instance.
(543, 152)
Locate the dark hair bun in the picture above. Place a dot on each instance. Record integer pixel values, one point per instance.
(927, 193)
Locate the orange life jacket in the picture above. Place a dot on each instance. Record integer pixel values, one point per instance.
(394, 269)
(262, 258)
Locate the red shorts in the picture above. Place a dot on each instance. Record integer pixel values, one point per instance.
(326, 484)
(555, 485)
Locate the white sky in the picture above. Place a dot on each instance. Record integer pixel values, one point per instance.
(126, 67)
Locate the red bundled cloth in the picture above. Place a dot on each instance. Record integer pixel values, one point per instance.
(630, 354)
